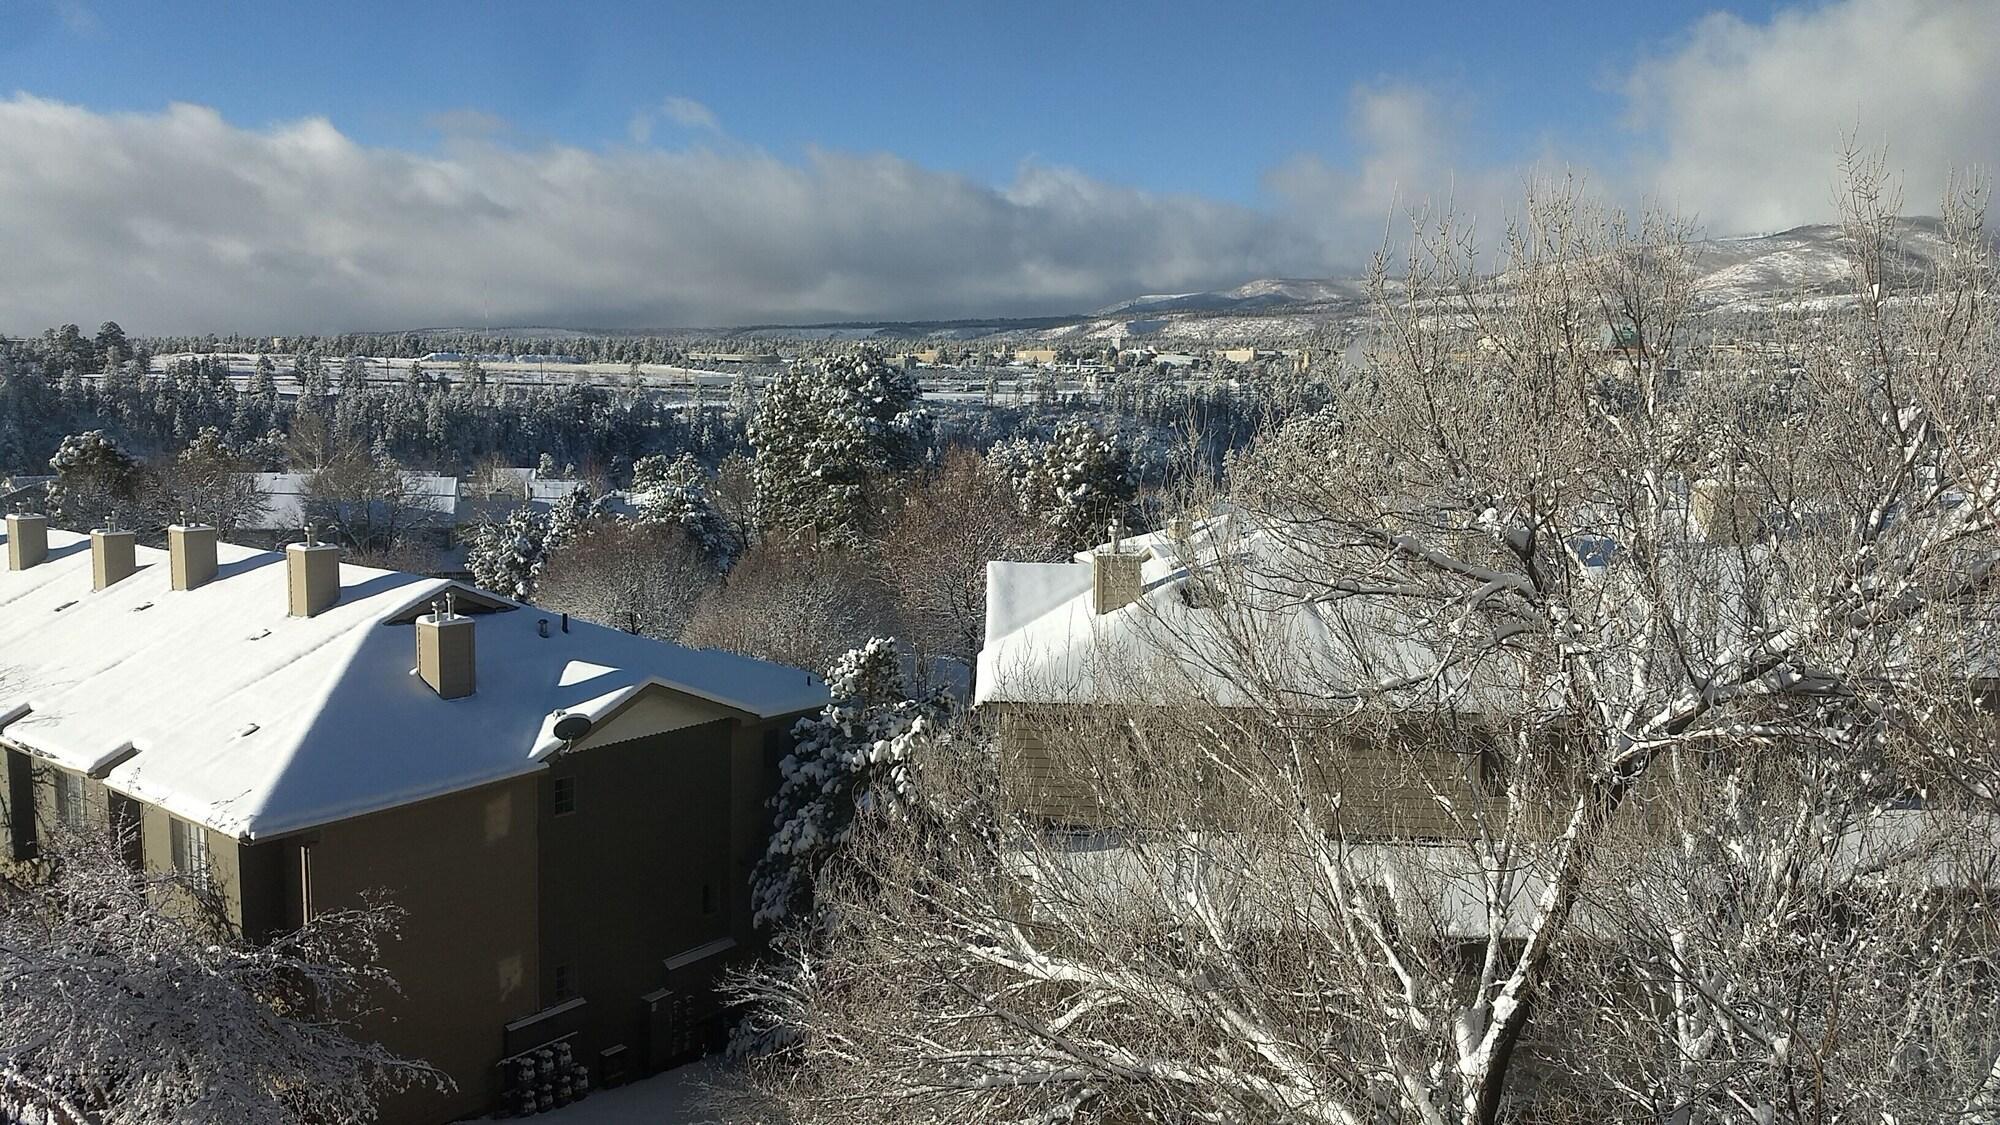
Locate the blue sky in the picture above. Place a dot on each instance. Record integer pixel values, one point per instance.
(1196, 97)
(188, 167)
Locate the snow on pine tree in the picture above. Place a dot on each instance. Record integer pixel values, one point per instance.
(570, 514)
(851, 759)
(1079, 480)
(818, 433)
(507, 557)
(94, 479)
(675, 492)
(117, 1009)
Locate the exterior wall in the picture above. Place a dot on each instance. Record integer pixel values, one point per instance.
(224, 855)
(463, 866)
(638, 872)
(17, 807)
(1385, 790)
(654, 863)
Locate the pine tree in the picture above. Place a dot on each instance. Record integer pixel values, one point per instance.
(677, 493)
(94, 480)
(852, 759)
(819, 432)
(570, 515)
(1079, 480)
(507, 557)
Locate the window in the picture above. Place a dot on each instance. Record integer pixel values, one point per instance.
(708, 898)
(563, 797)
(565, 987)
(69, 800)
(190, 848)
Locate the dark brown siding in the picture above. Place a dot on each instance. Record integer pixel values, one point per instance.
(640, 871)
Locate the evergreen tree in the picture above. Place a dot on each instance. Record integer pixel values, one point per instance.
(853, 758)
(1079, 480)
(94, 480)
(353, 376)
(677, 492)
(819, 432)
(507, 557)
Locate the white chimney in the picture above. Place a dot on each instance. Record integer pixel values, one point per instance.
(313, 570)
(445, 651)
(112, 555)
(191, 554)
(27, 540)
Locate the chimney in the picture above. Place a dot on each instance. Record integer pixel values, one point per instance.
(1114, 576)
(191, 554)
(1723, 513)
(313, 569)
(111, 555)
(27, 540)
(445, 650)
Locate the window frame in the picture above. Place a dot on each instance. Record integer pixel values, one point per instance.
(189, 851)
(562, 796)
(71, 801)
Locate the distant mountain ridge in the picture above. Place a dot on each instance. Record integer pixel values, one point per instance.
(1806, 259)
(1265, 293)
(1735, 271)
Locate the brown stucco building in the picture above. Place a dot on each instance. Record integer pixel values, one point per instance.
(568, 814)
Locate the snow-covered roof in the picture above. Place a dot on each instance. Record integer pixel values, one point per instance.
(284, 496)
(217, 706)
(1045, 643)
(548, 490)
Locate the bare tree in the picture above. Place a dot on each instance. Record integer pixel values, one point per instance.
(953, 522)
(793, 602)
(642, 578)
(1340, 809)
(125, 999)
(368, 503)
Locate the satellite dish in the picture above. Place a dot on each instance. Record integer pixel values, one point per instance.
(569, 728)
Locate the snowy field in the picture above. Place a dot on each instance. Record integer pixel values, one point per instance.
(1013, 384)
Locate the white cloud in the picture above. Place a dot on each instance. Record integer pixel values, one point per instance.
(684, 112)
(180, 220)
(1743, 121)
(690, 114)
(1411, 143)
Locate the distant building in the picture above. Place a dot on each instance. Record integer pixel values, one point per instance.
(1035, 357)
(462, 357)
(733, 357)
(568, 814)
(286, 505)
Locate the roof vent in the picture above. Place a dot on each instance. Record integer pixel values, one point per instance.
(112, 555)
(314, 572)
(191, 554)
(1114, 576)
(445, 649)
(27, 540)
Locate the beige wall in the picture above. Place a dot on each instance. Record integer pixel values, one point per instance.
(656, 860)
(464, 868)
(1386, 790)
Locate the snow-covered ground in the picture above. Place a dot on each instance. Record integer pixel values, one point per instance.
(696, 1094)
